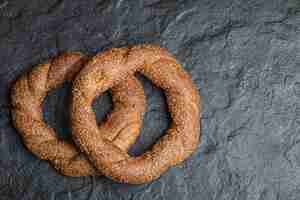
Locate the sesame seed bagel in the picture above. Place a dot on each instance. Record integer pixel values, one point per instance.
(120, 128)
(113, 67)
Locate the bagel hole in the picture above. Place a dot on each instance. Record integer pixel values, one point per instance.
(102, 106)
(56, 110)
(156, 119)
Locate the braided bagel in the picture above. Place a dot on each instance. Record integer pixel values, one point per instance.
(111, 68)
(121, 127)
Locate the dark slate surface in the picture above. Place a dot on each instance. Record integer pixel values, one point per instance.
(244, 56)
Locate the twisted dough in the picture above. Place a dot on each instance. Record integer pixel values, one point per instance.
(121, 127)
(113, 67)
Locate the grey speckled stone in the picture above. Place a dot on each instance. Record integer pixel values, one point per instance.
(243, 55)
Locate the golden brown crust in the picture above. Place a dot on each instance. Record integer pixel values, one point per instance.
(27, 97)
(114, 66)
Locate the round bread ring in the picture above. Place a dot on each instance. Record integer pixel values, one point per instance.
(121, 126)
(112, 67)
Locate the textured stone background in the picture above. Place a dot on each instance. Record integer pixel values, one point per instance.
(244, 56)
